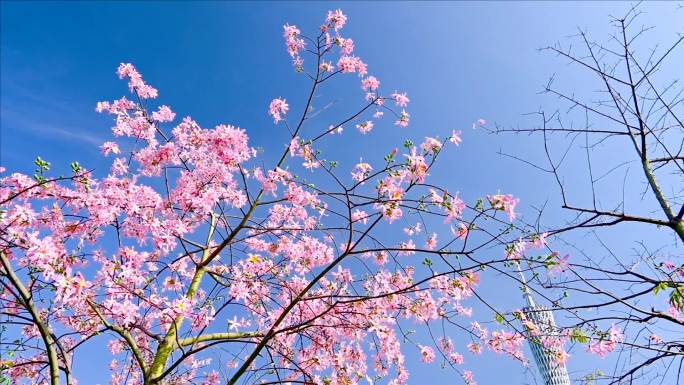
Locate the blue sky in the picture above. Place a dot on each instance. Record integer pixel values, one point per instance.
(223, 62)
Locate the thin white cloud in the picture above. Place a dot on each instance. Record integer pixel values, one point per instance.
(20, 123)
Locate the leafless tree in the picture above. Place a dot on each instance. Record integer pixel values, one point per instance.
(619, 177)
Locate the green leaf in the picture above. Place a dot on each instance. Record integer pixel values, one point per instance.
(677, 297)
(578, 335)
(659, 287)
(42, 165)
(75, 167)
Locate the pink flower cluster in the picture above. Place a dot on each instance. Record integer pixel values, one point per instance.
(190, 233)
(347, 62)
(295, 44)
(505, 203)
(277, 109)
(607, 343)
(135, 81)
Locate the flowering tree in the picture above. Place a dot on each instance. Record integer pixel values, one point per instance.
(622, 290)
(191, 249)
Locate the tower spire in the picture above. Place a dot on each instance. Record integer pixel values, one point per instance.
(552, 371)
(526, 290)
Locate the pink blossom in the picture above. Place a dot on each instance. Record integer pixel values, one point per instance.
(361, 171)
(456, 358)
(154, 158)
(454, 209)
(516, 250)
(359, 216)
(365, 127)
(290, 31)
(431, 243)
(124, 312)
(370, 83)
(351, 64)
(411, 230)
(427, 354)
(309, 156)
(126, 70)
(468, 377)
(606, 344)
(163, 114)
(480, 122)
(381, 257)
(675, 313)
(455, 137)
(400, 99)
(655, 339)
(108, 147)
(212, 378)
(539, 240)
(475, 348)
(560, 265)
(417, 166)
(336, 19)
(479, 330)
(461, 232)
(278, 108)
(294, 146)
(135, 82)
(431, 145)
(446, 345)
(505, 203)
(509, 343)
(172, 284)
(346, 46)
(403, 119)
(115, 346)
(408, 247)
(119, 166)
(326, 67)
(293, 42)
(102, 106)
